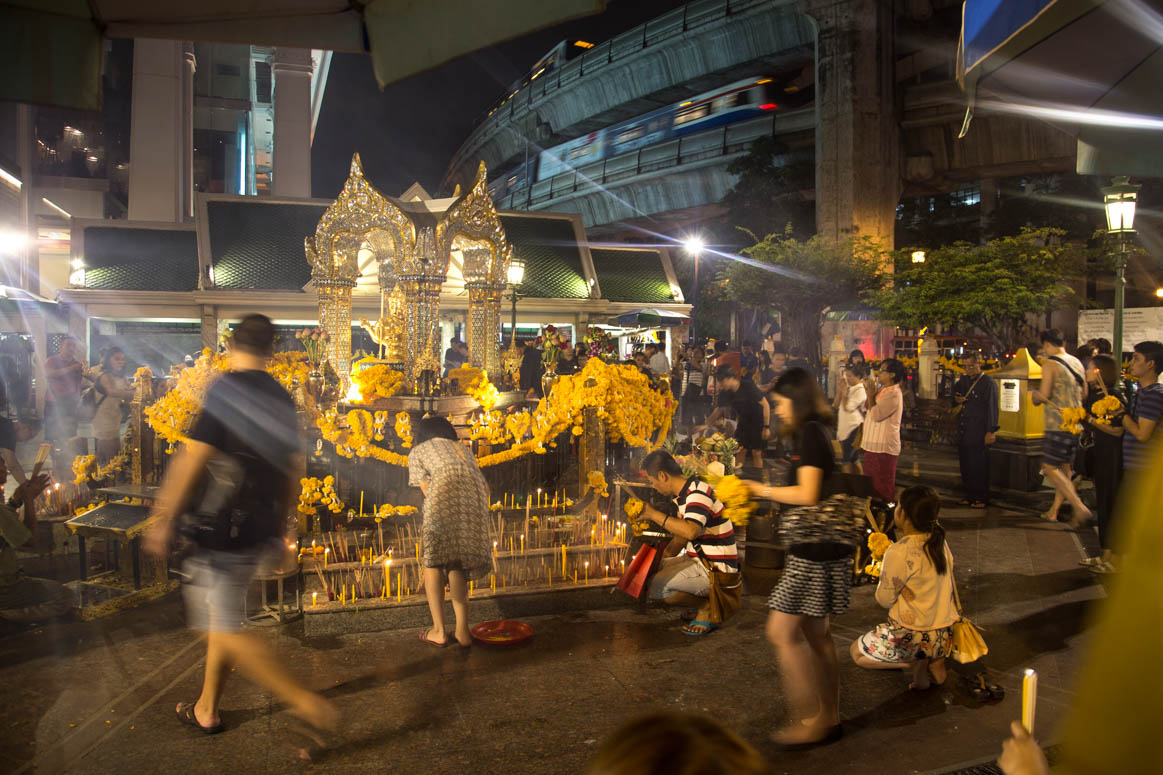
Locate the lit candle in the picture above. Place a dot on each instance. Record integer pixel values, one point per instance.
(388, 575)
(494, 548)
(314, 598)
(587, 571)
(325, 553)
(522, 543)
(563, 561)
(540, 500)
(607, 573)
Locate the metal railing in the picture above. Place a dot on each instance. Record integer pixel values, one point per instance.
(720, 141)
(658, 30)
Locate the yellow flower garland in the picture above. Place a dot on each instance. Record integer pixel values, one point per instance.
(878, 544)
(736, 496)
(596, 481)
(376, 380)
(172, 415)
(404, 429)
(1072, 417)
(318, 492)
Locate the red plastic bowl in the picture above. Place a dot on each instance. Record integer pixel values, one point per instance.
(504, 632)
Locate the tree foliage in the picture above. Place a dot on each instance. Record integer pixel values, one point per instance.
(800, 279)
(993, 287)
(770, 194)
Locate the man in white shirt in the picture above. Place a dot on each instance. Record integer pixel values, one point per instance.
(659, 363)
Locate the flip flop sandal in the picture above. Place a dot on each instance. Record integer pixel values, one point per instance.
(1046, 516)
(996, 692)
(975, 686)
(425, 639)
(186, 716)
(1090, 562)
(709, 628)
(1103, 568)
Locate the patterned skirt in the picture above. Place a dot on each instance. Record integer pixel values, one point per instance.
(1059, 447)
(812, 588)
(893, 644)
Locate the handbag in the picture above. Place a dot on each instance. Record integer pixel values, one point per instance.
(836, 518)
(645, 562)
(968, 645)
(725, 593)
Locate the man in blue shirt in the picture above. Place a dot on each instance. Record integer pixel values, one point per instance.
(1142, 420)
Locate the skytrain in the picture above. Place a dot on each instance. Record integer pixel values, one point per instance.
(727, 104)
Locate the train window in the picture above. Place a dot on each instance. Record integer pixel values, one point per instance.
(693, 113)
(630, 134)
(579, 152)
(512, 181)
(730, 101)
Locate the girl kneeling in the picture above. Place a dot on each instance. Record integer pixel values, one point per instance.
(916, 585)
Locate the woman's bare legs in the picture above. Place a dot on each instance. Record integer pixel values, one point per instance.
(434, 591)
(458, 588)
(810, 682)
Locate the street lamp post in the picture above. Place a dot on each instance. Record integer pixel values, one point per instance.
(516, 277)
(694, 246)
(1119, 200)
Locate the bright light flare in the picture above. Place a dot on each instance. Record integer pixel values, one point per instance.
(694, 245)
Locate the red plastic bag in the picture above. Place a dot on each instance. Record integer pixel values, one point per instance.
(633, 581)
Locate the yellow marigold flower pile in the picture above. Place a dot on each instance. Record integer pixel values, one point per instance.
(387, 511)
(289, 366)
(736, 496)
(596, 481)
(633, 509)
(485, 392)
(1105, 407)
(490, 427)
(376, 380)
(353, 433)
(172, 415)
(1072, 417)
(878, 544)
(318, 492)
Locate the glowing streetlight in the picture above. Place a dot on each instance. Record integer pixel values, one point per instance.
(515, 276)
(1159, 293)
(1119, 200)
(918, 256)
(694, 246)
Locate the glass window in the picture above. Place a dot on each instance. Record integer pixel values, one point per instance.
(692, 113)
(630, 134)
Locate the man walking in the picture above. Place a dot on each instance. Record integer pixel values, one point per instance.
(240, 469)
(976, 395)
(63, 374)
(1062, 388)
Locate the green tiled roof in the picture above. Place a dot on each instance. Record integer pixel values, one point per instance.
(631, 275)
(133, 259)
(553, 262)
(260, 244)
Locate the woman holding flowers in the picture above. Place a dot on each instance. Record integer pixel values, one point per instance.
(816, 576)
(1103, 402)
(455, 530)
(916, 585)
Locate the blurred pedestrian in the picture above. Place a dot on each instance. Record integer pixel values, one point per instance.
(1061, 388)
(113, 393)
(851, 399)
(752, 413)
(246, 439)
(455, 529)
(63, 374)
(814, 585)
(1106, 468)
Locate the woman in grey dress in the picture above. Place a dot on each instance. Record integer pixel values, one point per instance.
(455, 530)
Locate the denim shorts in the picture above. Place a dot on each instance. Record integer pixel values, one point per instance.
(216, 586)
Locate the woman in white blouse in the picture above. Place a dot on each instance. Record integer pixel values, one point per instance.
(882, 428)
(916, 585)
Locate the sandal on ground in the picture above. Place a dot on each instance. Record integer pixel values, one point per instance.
(1103, 568)
(186, 716)
(1090, 562)
(994, 691)
(424, 637)
(708, 627)
(975, 686)
(1046, 516)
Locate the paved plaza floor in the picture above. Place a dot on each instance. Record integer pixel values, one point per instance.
(98, 697)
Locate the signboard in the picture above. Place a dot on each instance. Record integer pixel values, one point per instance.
(1140, 324)
(1010, 399)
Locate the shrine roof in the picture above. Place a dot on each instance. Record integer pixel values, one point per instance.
(257, 244)
(634, 275)
(140, 258)
(553, 259)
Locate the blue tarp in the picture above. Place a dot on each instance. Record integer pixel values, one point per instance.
(986, 24)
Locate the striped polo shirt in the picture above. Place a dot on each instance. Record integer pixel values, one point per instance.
(697, 503)
(1148, 405)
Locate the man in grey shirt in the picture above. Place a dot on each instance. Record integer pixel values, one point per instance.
(659, 363)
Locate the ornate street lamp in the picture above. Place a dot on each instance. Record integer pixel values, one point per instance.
(515, 278)
(1119, 200)
(694, 245)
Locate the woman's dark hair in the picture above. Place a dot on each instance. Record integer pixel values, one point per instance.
(764, 357)
(107, 359)
(1051, 335)
(661, 461)
(680, 743)
(857, 353)
(895, 368)
(433, 428)
(807, 400)
(1108, 370)
(859, 369)
(922, 506)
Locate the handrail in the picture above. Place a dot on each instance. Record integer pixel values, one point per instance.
(603, 54)
(616, 168)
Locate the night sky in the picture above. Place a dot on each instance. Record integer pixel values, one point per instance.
(409, 131)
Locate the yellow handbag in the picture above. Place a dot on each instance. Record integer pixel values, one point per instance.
(968, 645)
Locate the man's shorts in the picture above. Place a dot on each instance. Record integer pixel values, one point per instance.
(679, 574)
(216, 586)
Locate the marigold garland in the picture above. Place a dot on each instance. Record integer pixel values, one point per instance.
(1072, 417)
(736, 496)
(404, 429)
(386, 511)
(318, 492)
(172, 415)
(596, 481)
(878, 544)
(376, 380)
(1105, 408)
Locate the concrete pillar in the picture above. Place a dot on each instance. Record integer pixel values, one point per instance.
(210, 327)
(988, 188)
(927, 374)
(857, 134)
(28, 273)
(161, 132)
(291, 166)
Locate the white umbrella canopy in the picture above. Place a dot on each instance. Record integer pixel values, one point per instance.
(50, 50)
(1090, 67)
